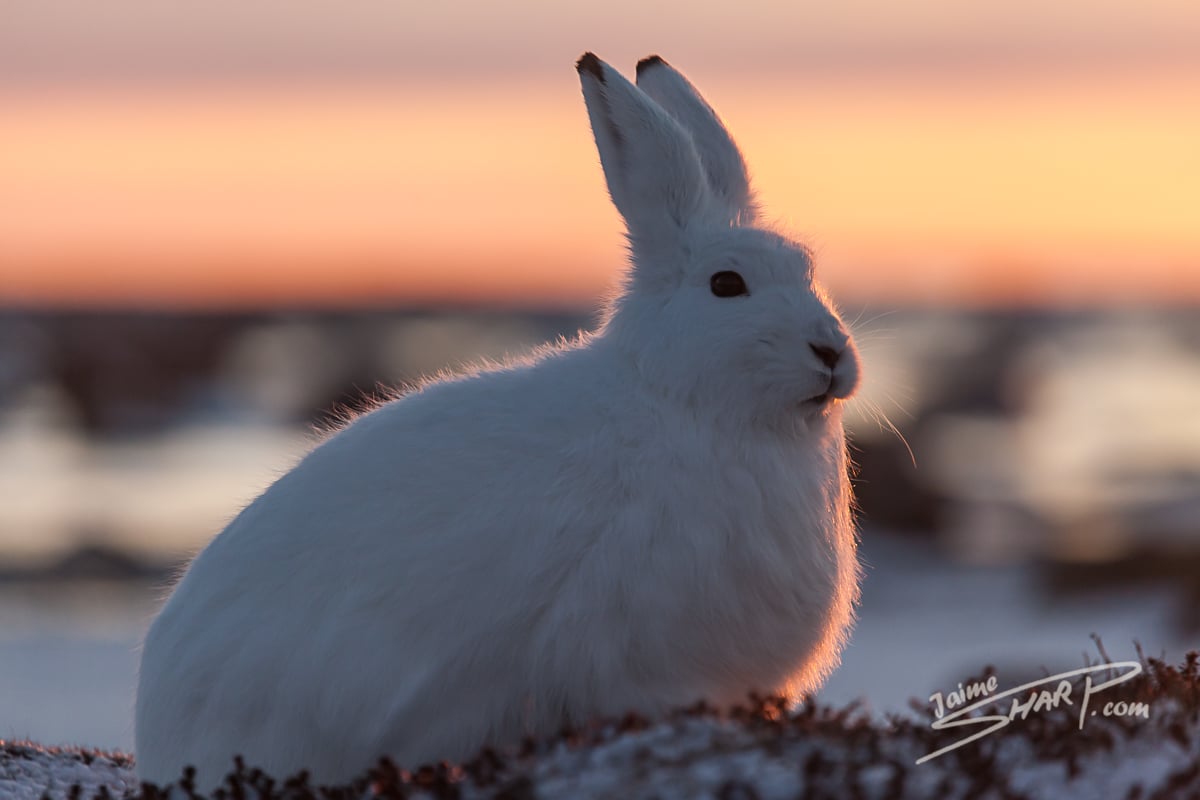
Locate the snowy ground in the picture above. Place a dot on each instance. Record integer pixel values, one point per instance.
(763, 754)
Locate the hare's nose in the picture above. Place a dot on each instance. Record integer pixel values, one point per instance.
(828, 355)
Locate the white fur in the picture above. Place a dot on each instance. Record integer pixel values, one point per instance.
(635, 520)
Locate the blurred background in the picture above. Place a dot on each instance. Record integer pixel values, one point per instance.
(222, 222)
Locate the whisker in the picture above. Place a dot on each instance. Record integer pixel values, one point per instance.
(885, 424)
(906, 394)
(882, 334)
(875, 318)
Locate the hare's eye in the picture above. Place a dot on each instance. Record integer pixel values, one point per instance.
(727, 284)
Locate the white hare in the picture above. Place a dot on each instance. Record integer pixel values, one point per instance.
(655, 513)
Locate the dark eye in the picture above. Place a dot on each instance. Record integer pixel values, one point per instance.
(727, 284)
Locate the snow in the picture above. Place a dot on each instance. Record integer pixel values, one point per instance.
(29, 772)
(761, 754)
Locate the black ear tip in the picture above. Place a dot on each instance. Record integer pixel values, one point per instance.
(590, 64)
(649, 61)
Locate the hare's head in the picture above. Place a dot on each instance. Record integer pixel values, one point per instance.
(719, 312)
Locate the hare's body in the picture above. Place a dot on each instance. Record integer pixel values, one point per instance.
(655, 514)
(464, 620)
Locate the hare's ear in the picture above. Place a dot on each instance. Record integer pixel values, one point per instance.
(650, 163)
(723, 162)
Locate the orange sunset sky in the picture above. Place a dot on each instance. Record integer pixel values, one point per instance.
(225, 154)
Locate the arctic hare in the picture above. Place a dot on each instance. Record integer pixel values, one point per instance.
(652, 514)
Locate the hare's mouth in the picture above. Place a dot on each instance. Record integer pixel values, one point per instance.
(816, 401)
(836, 390)
(818, 406)
(842, 385)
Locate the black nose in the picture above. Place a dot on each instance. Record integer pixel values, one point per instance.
(829, 357)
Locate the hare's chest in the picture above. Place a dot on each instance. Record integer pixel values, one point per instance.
(755, 524)
(785, 532)
(746, 578)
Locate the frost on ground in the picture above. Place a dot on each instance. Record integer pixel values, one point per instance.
(30, 771)
(760, 752)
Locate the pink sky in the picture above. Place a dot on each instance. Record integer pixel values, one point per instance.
(212, 153)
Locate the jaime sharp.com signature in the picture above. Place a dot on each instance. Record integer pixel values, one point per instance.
(1041, 697)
